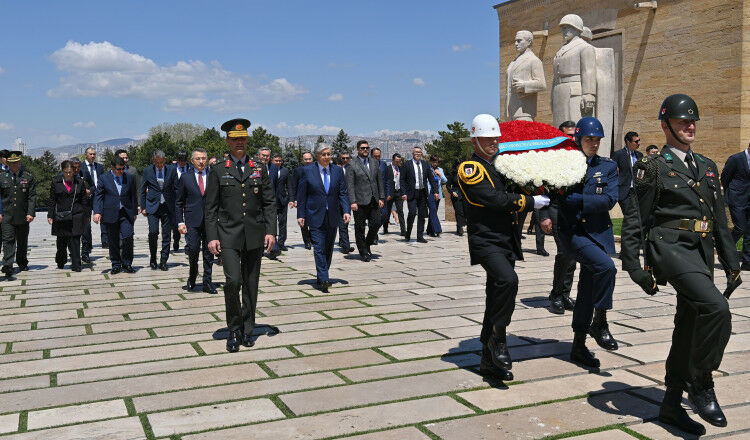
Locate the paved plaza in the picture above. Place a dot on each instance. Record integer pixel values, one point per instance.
(391, 353)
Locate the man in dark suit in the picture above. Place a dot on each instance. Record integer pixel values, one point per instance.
(367, 196)
(307, 159)
(190, 205)
(280, 183)
(240, 223)
(414, 175)
(625, 158)
(181, 167)
(91, 170)
(322, 201)
(344, 242)
(384, 213)
(116, 207)
(393, 177)
(735, 178)
(158, 201)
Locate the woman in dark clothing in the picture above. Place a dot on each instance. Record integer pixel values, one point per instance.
(68, 214)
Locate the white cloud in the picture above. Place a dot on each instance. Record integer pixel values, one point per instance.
(62, 138)
(389, 132)
(460, 47)
(336, 97)
(419, 82)
(2, 70)
(103, 69)
(286, 129)
(80, 124)
(6, 126)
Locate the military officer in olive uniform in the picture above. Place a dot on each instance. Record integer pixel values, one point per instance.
(240, 223)
(18, 188)
(494, 240)
(681, 190)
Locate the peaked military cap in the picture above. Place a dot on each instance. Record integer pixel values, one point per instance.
(14, 156)
(236, 128)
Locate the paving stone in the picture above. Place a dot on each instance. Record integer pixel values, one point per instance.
(611, 434)
(137, 343)
(214, 416)
(117, 429)
(32, 335)
(23, 356)
(444, 346)
(547, 420)
(381, 391)
(130, 309)
(737, 421)
(411, 367)
(24, 383)
(292, 338)
(735, 362)
(9, 423)
(344, 422)
(323, 362)
(210, 327)
(393, 434)
(76, 414)
(419, 324)
(42, 344)
(373, 341)
(342, 313)
(150, 323)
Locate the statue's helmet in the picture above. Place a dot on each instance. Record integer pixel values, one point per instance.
(574, 21)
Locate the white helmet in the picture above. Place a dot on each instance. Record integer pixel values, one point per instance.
(574, 21)
(587, 35)
(485, 125)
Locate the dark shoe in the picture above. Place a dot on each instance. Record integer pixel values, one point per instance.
(407, 237)
(599, 330)
(569, 302)
(704, 400)
(497, 347)
(163, 267)
(421, 240)
(365, 257)
(530, 230)
(209, 287)
(76, 269)
(308, 246)
(402, 233)
(344, 250)
(580, 354)
(85, 259)
(488, 368)
(153, 264)
(105, 245)
(61, 266)
(672, 413)
(542, 252)
(556, 304)
(324, 286)
(190, 284)
(23, 268)
(128, 269)
(283, 248)
(248, 340)
(8, 271)
(115, 270)
(385, 231)
(176, 246)
(460, 232)
(745, 266)
(233, 341)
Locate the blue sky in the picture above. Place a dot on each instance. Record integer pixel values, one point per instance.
(81, 71)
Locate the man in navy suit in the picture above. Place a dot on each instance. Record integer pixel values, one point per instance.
(157, 202)
(280, 183)
(307, 159)
(735, 178)
(91, 170)
(115, 205)
(625, 158)
(414, 175)
(322, 200)
(181, 167)
(190, 206)
(384, 212)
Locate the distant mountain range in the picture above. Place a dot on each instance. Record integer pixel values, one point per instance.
(66, 151)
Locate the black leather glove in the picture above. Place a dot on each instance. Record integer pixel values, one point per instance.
(733, 282)
(644, 279)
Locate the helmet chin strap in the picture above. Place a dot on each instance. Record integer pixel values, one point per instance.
(677, 138)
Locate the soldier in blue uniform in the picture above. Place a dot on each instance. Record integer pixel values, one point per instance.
(585, 231)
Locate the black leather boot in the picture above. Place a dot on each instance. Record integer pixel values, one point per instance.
(569, 302)
(488, 368)
(556, 304)
(599, 330)
(579, 353)
(498, 348)
(152, 243)
(672, 413)
(701, 395)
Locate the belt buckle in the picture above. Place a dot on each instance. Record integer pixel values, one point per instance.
(701, 226)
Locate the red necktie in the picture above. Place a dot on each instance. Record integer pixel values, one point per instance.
(200, 184)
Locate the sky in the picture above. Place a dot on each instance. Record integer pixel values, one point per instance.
(87, 71)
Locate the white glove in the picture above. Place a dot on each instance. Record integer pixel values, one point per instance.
(540, 201)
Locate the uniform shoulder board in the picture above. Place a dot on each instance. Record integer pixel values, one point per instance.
(471, 172)
(700, 157)
(606, 159)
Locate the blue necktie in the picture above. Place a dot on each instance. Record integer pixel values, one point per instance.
(161, 174)
(326, 180)
(117, 178)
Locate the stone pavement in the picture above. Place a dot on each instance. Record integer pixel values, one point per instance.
(390, 353)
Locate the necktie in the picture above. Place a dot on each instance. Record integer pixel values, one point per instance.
(326, 180)
(200, 183)
(118, 179)
(691, 165)
(160, 175)
(419, 178)
(15, 178)
(239, 166)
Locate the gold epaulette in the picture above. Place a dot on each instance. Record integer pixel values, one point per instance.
(521, 202)
(471, 173)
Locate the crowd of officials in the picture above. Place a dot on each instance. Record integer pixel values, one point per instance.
(234, 211)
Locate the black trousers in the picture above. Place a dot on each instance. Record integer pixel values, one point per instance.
(624, 204)
(305, 230)
(501, 290)
(120, 251)
(458, 209)
(15, 244)
(344, 235)
(564, 269)
(741, 221)
(281, 214)
(417, 208)
(162, 216)
(538, 232)
(195, 242)
(70, 244)
(366, 216)
(86, 240)
(399, 203)
(242, 272)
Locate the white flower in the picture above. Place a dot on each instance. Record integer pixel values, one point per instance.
(558, 168)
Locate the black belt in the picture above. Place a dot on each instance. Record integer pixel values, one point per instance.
(688, 224)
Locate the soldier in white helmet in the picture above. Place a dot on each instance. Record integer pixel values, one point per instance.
(494, 239)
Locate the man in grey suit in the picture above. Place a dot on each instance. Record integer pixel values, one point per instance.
(367, 196)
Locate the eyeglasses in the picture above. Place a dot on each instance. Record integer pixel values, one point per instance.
(346, 158)
(325, 154)
(637, 141)
(119, 169)
(364, 148)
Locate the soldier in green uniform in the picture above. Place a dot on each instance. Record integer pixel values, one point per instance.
(681, 190)
(18, 189)
(240, 223)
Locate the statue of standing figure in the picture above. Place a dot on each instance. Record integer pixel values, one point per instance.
(524, 79)
(574, 81)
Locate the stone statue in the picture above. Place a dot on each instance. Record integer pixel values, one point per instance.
(587, 35)
(525, 78)
(605, 92)
(574, 81)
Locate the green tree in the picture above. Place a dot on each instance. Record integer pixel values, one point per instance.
(340, 145)
(142, 156)
(107, 158)
(449, 147)
(44, 169)
(320, 140)
(261, 138)
(211, 141)
(292, 156)
(180, 132)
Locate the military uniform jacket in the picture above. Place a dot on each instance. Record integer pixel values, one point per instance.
(240, 206)
(663, 190)
(19, 199)
(490, 210)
